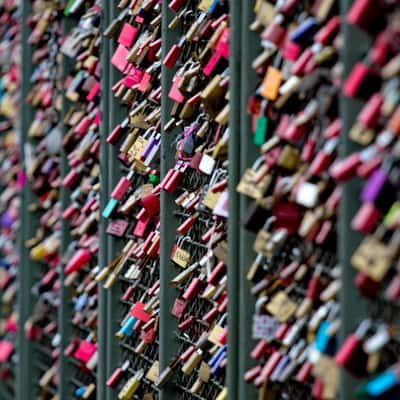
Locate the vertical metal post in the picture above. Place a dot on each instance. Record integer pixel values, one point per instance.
(24, 346)
(168, 346)
(116, 113)
(248, 153)
(234, 199)
(65, 310)
(103, 250)
(353, 307)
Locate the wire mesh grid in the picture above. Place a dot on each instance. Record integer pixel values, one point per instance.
(197, 308)
(144, 359)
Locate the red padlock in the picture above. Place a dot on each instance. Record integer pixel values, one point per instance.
(211, 315)
(291, 51)
(6, 350)
(289, 7)
(308, 151)
(368, 15)
(223, 338)
(268, 368)
(217, 273)
(345, 169)
(122, 187)
(176, 5)
(324, 232)
(49, 277)
(295, 132)
(115, 135)
(282, 331)
(173, 183)
(260, 349)
(187, 353)
(83, 126)
(371, 112)
(252, 374)
(323, 158)
(147, 243)
(328, 32)
(129, 292)
(193, 290)
(173, 55)
(299, 66)
(142, 226)
(315, 286)
(392, 292)
(179, 308)
(362, 82)
(288, 216)
(71, 180)
(79, 260)
(366, 169)
(381, 49)
(351, 355)
(151, 203)
(117, 375)
(334, 129)
(367, 287)
(274, 33)
(187, 323)
(32, 331)
(166, 178)
(367, 218)
(304, 373)
(318, 389)
(5, 373)
(184, 228)
(223, 307)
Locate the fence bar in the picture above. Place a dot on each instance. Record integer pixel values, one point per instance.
(25, 384)
(169, 223)
(353, 307)
(232, 377)
(248, 155)
(103, 250)
(65, 311)
(116, 114)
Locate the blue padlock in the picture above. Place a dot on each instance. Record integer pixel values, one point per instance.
(304, 34)
(127, 328)
(110, 207)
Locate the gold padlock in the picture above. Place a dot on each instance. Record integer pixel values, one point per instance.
(289, 157)
(361, 134)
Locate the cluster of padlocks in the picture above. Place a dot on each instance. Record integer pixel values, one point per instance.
(179, 220)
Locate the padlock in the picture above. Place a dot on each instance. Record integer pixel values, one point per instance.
(367, 286)
(367, 218)
(362, 82)
(351, 355)
(81, 258)
(360, 15)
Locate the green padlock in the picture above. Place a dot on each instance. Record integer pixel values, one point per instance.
(260, 135)
(393, 215)
(154, 179)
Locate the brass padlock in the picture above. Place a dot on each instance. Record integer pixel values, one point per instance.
(289, 158)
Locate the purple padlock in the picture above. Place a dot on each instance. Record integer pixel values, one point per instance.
(7, 220)
(48, 166)
(282, 364)
(374, 186)
(154, 141)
